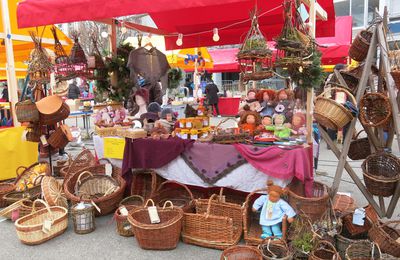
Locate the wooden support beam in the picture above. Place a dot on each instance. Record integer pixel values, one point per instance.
(320, 12)
(351, 173)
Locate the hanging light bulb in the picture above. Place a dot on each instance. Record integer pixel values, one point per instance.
(215, 36)
(179, 42)
(104, 34)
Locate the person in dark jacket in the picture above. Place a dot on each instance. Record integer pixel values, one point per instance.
(73, 91)
(212, 96)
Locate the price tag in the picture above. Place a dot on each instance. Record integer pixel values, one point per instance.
(108, 169)
(358, 217)
(23, 137)
(153, 214)
(44, 140)
(47, 226)
(123, 210)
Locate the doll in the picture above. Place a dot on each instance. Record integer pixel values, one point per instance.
(284, 103)
(266, 121)
(274, 209)
(249, 121)
(266, 98)
(298, 124)
(159, 132)
(280, 130)
(168, 119)
(251, 102)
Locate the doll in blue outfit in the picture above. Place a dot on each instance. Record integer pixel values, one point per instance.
(274, 209)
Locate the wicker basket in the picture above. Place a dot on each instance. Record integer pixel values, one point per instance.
(23, 180)
(275, 249)
(385, 235)
(95, 186)
(106, 204)
(61, 164)
(131, 133)
(353, 229)
(241, 253)
(162, 236)
(30, 228)
(31, 193)
(34, 133)
(26, 111)
(145, 183)
(313, 207)
(331, 114)
(359, 148)
(124, 228)
(178, 193)
(324, 250)
(381, 173)
(53, 193)
(342, 243)
(375, 110)
(351, 81)
(343, 204)
(396, 77)
(363, 250)
(229, 195)
(61, 137)
(259, 75)
(4, 189)
(82, 160)
(52, 110)
(359, 48)
(215, 224)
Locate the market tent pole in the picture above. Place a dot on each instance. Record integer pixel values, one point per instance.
(11, 77)
(310, 91)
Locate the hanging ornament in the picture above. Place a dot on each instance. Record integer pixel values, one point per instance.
(39, 67)
(77, 56)
(64, 70)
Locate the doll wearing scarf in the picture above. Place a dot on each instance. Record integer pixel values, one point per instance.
(274, 209)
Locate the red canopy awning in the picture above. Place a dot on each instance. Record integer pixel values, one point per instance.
(224, 60)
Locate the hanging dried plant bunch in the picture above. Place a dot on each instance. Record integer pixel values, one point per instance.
(40, 66)
(77, 55)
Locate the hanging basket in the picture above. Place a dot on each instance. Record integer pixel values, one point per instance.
(61, 137)
(396, 77)
(386, 236)
(359, 48)
(26, 111)
(242, 253)
(52, 110)
(34, 133)
(375, 110)
(39, 66)
(324, 251)
(64, 70)
(77, 56)
(363, 250)
(351, 81)
(359, 148)
(381, 173)
(331, 114)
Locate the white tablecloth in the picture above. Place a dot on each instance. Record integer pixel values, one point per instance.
(244, 178)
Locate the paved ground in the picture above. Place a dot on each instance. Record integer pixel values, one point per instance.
(105, 243)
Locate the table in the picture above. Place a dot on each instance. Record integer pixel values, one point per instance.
(85, 116)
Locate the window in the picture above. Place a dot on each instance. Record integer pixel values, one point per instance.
(342, 8)
(357, 11)
(394, 9)
(372, 6)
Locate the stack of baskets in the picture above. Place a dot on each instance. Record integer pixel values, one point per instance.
(381, 173)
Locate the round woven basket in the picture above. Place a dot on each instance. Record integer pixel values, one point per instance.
(95, 186)
(386, 236)
(342, 243)
(381, 173)
(242, 253)
(363, 250)
(396, 77)
(275, 249)
(331, 114)
(359, 48)
(4, 189)
(324, 250)
(53, 192)
(375, 109)
(359, 148)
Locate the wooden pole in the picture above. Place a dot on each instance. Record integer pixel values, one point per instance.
(10, 67)
(310, 91)
(113, 38)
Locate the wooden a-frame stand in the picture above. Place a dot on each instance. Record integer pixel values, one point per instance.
(375, 138)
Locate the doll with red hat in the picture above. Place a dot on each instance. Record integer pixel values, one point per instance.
(139, 100)
(273, 210)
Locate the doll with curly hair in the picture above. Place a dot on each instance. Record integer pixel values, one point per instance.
(249, 121)
(251, 102)
(266, 98)
(284, 103)
(273, 211)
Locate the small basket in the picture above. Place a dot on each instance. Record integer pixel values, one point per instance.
(363, 250)
(351, 81)
(324, 250)
(331, 114)
(356, 230)
(275, 249)
(359, 148)
(313, 207)
(396, 77)
(359, 48)
(375, 110)
(30, 228)
(386, 236)
(26, 111)
(84, 219)
(4, 189)
(241, 253)
(178, 193)
(124, 228)
(145, 182)
(343, 204)
(162, 236)
(381, 173)
(34, 133)
(61, 137)
(31, 193)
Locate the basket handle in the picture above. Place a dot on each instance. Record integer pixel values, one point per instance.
(177, 183)
(147, 202)
(168, 202)
(81, 174)
(38, 178)
(340, 89)
(269, 239)
(132, 196)
(359, 132)
(106, 160)
(18, 169)
(329, 244)
(373, 250)
(41, 201)
(247, 201)
(209, 204)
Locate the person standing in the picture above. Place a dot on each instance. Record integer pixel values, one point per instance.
(212, 98)
(73, 90)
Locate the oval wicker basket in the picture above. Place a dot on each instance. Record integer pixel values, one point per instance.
(242, 253)
(331, 114)
(324, 250)
(386, 237)
(26, 111)
(375, 110)
(381, 173)
(23, 179)
(342, 243)
(359, 148)
(82, 160)
(363, 250)
(275, 249)
(178, 193)
(359, 48)
(162, 236)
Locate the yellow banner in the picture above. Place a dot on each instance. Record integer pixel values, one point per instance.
(114, 147)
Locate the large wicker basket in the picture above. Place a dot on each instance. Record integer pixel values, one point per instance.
(381, 173)
(363, 250)
(386, 236)
(145, 182)
(359, 148)
(162, 236)
(106, 204)
(331, 114)
(30, 228)
(27, 177)
(215, 224)
(178, 193)
(375, 110)
(241, 253)
(359, 48)
(313, 207)
(324, 251)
